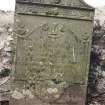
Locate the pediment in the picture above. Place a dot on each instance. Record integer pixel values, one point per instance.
(71, 3)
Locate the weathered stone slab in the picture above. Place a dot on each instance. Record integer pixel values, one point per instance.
(53, 51)
(51, 11)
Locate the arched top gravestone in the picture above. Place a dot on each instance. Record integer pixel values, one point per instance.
(53, 51)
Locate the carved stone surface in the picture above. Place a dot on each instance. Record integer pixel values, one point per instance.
(52, 58)
(54, 11)
(74, 3)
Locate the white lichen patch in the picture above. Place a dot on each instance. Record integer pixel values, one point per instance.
(17, 95)
(52, 90)
(41, 63)
(28, 93)
(57, 96)
(103, 73)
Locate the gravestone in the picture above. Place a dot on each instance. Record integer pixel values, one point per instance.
(53, 51)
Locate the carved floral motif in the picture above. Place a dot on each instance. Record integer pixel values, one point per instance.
(56, 47)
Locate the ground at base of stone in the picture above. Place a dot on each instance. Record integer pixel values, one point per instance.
(4, 102)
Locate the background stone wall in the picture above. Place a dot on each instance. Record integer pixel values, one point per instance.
(6, 29)
(96, 87)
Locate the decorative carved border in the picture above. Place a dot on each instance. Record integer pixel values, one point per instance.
(49, 11)
(66, 3)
